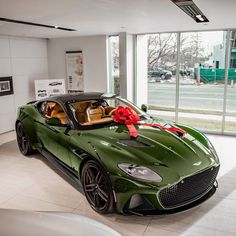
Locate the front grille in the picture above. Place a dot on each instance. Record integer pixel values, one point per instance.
(189, 188)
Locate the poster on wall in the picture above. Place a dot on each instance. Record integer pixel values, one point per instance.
(6, 86)
(49, 87)
(74, 70)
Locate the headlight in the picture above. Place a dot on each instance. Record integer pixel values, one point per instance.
(140, 172)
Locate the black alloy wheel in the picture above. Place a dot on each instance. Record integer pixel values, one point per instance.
(97, 187)
(23, 141)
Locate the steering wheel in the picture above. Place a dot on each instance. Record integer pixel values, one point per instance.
(111, 113)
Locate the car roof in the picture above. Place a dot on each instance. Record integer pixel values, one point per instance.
(67, 98)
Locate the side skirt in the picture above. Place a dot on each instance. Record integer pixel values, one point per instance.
(68, 173)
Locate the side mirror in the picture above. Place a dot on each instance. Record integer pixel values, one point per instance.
(144, 107)
(54, 121)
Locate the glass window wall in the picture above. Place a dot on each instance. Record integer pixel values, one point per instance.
(162, 56)
(203, 97)
(114, 83)
(201, 93)
(230, 115)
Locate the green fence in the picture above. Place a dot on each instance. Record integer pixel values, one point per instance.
(216, 75)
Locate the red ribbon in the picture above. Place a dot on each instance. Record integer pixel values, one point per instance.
(170, 129)
(126, 116)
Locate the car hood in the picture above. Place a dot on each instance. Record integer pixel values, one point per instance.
(153, 147)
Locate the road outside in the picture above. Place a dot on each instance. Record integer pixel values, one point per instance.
(206, 97)
(200, 105)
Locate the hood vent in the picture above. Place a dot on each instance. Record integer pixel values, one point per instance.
(191, 9)
(132, 143)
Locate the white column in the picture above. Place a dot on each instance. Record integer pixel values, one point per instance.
(110, 66)
(126, 53)
(141, 70)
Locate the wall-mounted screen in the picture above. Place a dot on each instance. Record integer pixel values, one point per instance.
(6, 86)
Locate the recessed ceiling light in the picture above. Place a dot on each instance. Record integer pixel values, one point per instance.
(191, 9)
(35, 24)
(200, 17)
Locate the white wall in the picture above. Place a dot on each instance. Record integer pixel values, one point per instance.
(25, 59)
(219, 55)
(94, 60)
(126, 60)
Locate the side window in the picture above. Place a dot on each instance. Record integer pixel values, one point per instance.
(53, 109)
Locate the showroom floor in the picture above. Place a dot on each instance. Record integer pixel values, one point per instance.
(32, 184)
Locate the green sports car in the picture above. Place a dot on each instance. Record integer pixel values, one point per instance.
(144, 166)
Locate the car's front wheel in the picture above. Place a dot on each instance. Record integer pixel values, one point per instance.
(23, 141)
(97, 187)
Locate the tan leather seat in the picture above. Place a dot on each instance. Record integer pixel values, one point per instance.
(100, 121)
(108, 109)
(48, 109)
(80, 108)
(62, 116)
(59, 113)
(95, 113)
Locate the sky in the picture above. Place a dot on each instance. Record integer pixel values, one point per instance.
(211, 38)
(207, 40)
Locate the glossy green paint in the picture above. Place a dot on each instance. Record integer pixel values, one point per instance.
(173, 158)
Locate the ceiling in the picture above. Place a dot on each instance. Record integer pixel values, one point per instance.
(96, 17)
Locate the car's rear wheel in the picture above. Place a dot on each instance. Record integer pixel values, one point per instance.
(23, 140)
(97, 187)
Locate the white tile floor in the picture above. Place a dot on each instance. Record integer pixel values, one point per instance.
(32, 184)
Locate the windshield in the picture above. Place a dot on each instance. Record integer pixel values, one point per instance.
(100, 111)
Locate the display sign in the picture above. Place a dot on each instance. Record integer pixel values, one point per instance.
(6, 86)
(48, 88)
(74, 69)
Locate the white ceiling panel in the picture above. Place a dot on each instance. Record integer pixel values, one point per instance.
(91, 17)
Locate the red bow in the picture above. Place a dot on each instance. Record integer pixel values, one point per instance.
(126, 116)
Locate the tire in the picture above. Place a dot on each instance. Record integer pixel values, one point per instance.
(97, 187)
(168, 76)
(23, 140)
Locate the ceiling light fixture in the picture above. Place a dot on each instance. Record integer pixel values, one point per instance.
(200, 17)
(191, 9)
(35, 24)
